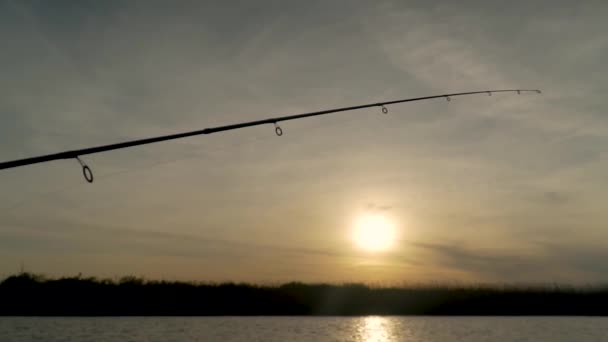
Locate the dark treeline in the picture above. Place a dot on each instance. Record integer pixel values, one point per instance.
(27, 294)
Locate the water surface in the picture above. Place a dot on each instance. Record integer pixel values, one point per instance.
(370, 328)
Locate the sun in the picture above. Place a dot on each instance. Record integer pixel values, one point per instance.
(374, 232)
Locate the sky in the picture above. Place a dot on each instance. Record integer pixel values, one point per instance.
(502, 189)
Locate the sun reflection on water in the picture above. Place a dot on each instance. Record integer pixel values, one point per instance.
(375, 328)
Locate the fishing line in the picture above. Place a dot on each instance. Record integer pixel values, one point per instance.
(194, 155)
(278, 130)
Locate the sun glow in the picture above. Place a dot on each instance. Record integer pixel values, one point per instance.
(374, 232)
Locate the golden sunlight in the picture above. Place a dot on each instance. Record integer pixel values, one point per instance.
(375, 328)
(374, 232)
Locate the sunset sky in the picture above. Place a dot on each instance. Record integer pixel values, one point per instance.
(508, 188)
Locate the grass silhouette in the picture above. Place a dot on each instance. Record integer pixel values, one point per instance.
(28, 294)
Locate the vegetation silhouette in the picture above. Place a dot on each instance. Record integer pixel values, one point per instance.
(27, 294)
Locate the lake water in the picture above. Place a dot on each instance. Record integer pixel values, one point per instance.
(371, 328)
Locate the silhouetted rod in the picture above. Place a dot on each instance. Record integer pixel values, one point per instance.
(74, 154)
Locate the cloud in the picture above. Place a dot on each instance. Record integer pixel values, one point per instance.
(379, 207)
(544, 263)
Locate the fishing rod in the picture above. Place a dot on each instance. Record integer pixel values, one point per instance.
(88, 174)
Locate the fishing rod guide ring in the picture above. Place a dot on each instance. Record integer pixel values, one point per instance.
(86, 170)
(384, 109)
(88, 174)
(278, 130)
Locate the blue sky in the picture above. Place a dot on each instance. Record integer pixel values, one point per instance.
(487, 189)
